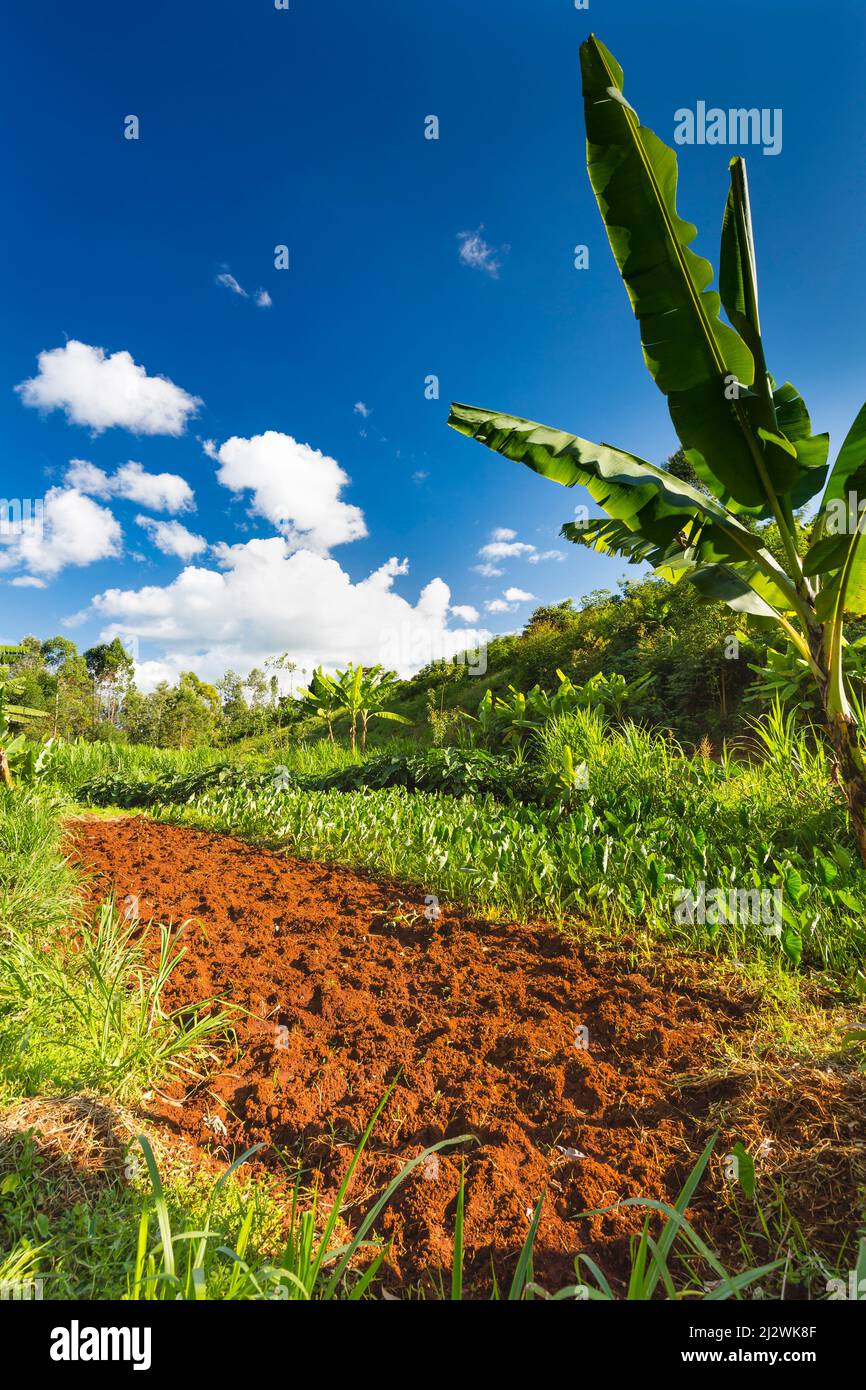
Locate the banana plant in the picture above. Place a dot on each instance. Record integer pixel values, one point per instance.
(15, 756)
(749, 441)
(322, 699)
(362, 691)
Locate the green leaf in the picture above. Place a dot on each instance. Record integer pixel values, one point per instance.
(850, 460)
(681, 526)
(792, 945)
(738, 272)
(634, 177)
(745, 1169)
(699, 362)
(828, 870)
(793, 421)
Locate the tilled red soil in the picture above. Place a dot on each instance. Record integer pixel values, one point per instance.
(346, 988)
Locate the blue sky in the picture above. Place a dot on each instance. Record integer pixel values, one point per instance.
(305, 128)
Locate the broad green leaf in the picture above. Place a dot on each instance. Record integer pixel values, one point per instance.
(793, 420)
(703, 366)
(694, 358)
(738, 272)
(681, 525)
(851, 459)
(634, 177)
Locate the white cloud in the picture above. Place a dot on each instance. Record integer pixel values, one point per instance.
(75, 531)
(420, 476)
(293, 486)
(210, 448)
(541, 555)
(102, 391)
(498, 605)
(465, 612)
(504, 545)
(264, 598)
(488, 571)
(506, 550)
(162, 492)
(172, 538)
(262, 298)
(28, 581)
(231, 284)
(518, 595)
(475, 252)
(361, 409)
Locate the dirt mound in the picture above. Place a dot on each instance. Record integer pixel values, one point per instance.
(562, 1063)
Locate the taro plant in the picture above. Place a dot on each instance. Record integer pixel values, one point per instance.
(614, 696)
(749, 441)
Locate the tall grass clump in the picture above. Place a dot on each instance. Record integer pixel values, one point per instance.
(80, 1006)
(73, 763)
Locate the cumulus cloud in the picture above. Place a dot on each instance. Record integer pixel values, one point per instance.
(506, 550)
(541, 555)
(488, 571)
(172, 538)
(295, 487)
(361, 409)
(262, 597)
(504, 545)
(465, 612)
(74, 530)
(475, 252)
(263, 299)
(498, 605)
(102, 391)
(161, 492)
(28, 581)
(518, 595)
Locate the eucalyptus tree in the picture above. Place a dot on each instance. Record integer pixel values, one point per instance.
(748, 440)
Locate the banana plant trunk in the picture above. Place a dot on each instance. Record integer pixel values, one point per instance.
(843, 733)
(5, 770)
(844, 739)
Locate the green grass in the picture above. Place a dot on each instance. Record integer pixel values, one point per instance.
(76, 762)
(78, 1006)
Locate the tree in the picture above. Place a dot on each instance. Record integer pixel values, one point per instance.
(321, 698)
(361, 692)
(68, 687)
(235, 710)
(749, 441)
(192, 710)
(111, 668)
